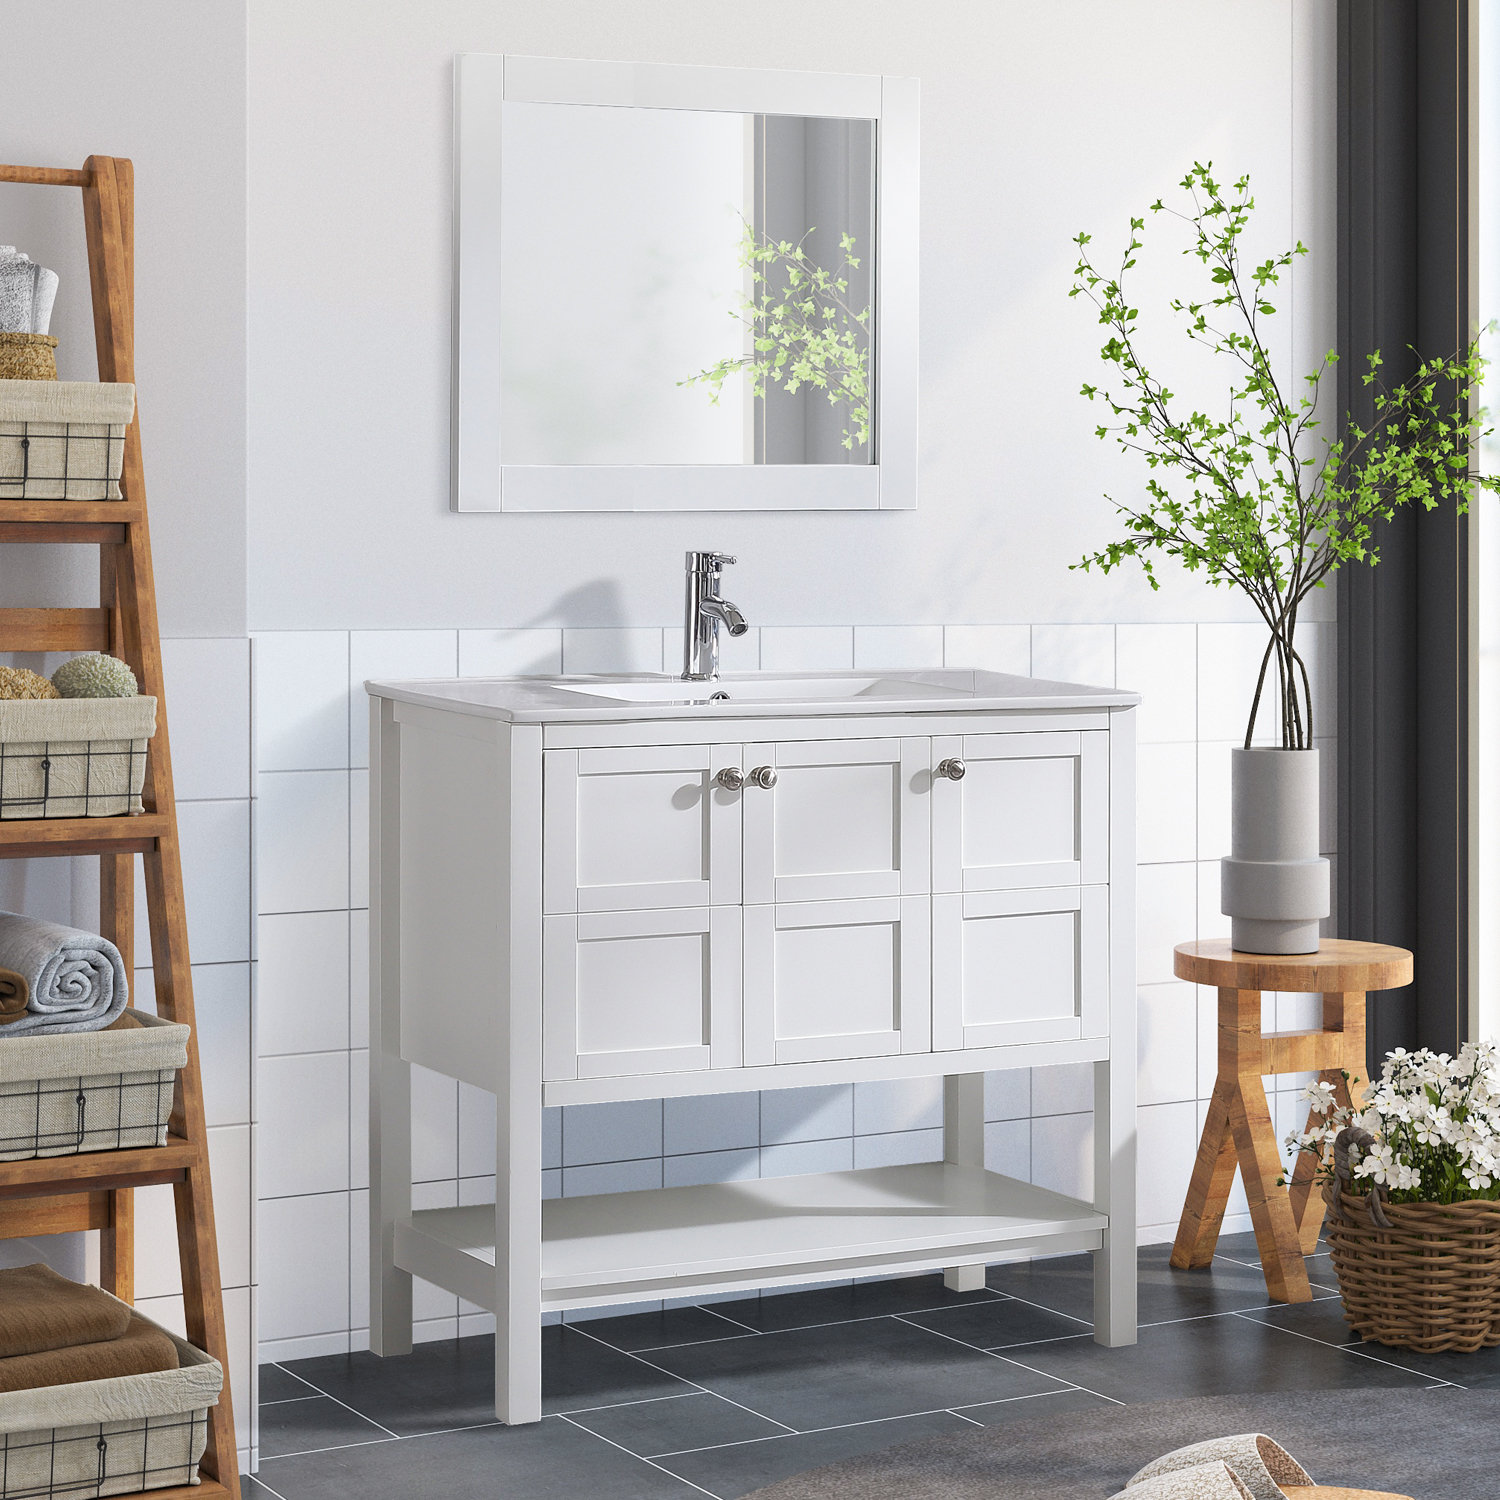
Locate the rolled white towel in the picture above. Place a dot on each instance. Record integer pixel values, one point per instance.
(77, 979)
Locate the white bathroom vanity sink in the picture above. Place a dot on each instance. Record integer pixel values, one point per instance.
(587, 889)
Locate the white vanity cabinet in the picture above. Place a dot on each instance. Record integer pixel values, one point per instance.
(581, 895)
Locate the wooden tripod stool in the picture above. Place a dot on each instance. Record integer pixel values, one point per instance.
(1238, 1130)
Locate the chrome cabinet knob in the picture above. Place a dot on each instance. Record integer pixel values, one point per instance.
(763, 776)
(731, 778)
(953, 768)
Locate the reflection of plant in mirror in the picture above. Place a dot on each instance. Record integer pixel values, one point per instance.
(803, 331)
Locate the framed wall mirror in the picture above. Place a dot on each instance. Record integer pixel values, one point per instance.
(683, 288)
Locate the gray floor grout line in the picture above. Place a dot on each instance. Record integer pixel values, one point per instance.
(727, 1338)
(583, 1411)
(660, 1468)
(361, 1415)
(330, 1448)
(962, 1418)
(1007, 1359)
(724, 1317)
(289, 1400)
(662, 1370)
(829, 1323)
(1357, 1351)
(260, 1483)
(1040, 1307)
(791, 1432)
(300, 1379)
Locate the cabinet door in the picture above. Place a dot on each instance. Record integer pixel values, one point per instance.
(625, 992)
(834, 979)
(1031, 810)
(846, 818)
(637, 829)
(1019, 966)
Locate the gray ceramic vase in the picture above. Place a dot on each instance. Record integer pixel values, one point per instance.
(1274, 886)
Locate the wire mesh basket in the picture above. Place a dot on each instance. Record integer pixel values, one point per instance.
(109, 1437)
(73, 757)
(78, 1091)
(63, 439)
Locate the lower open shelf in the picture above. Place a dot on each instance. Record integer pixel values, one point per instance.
(692, 1241)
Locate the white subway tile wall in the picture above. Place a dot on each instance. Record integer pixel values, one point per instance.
(312, 983)
(208, 699)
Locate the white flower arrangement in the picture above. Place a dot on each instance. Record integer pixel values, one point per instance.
(1435, 1120)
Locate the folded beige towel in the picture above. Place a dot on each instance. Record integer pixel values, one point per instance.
(140, 1350)
(40, 1311)
(15, 995)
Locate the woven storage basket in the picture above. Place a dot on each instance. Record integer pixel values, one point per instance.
(88, 1090)
(63, 439)
(1427, 1278)
(109, 1437)
(73, 757)
(27, 356)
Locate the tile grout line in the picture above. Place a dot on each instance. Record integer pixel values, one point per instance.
(1358, 1353)
(1007, 1359)
(660, 1468)
(662, 1370)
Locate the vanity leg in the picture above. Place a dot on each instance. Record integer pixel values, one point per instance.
(1114, 1194)
(390, 1077)
(518, 1102)
(963, 1145)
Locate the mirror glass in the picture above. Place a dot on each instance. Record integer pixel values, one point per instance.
(685, 287)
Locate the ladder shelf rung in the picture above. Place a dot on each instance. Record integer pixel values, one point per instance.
(54, 630)
(47, 838)
(95, 1171)
(69, 512)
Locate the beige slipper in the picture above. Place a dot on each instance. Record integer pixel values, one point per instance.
(1215, 1481)
(1261, 1466)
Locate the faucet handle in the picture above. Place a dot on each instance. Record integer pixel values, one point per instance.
(714, 560)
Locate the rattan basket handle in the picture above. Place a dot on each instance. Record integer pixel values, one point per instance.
(1353, 1138)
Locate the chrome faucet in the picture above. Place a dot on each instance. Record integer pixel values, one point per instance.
(706, 612)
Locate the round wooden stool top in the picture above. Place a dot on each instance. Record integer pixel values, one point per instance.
(1339, 965)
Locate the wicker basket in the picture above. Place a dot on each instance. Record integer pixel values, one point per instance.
(73, 757)
(79, 1091)
(109, 1437)
(1423, 1276)
(63, 440)
(27, 356)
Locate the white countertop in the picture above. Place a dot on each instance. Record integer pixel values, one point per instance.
(552, 700)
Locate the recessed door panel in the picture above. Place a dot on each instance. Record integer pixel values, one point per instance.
(1019, 966)
(1031, 810)
(836, 979)
(641, 992)
(845, 819)
(640, 828)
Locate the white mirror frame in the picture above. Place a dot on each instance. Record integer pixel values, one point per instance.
(483, 84)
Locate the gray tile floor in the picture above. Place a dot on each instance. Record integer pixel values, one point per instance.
(721, 1399)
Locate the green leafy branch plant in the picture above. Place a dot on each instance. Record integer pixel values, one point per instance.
(802, 329)
(1256, 497)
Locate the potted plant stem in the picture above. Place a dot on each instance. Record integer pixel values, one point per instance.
(1257, 496)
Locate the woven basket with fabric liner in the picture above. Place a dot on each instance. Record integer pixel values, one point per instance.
(73, 757)
(63, 439)
(1423, 1276)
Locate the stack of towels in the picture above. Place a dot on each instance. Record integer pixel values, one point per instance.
(54, 1332)
(55, 978)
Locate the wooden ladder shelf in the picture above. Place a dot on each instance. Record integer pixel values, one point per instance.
(94, 1191)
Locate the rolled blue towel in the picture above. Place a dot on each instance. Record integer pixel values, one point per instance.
(76, 979)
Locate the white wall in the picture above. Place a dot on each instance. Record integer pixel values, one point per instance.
(1037, 121)
(164, 85)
